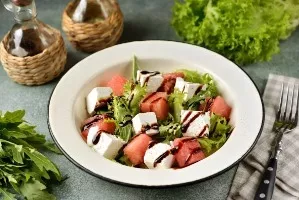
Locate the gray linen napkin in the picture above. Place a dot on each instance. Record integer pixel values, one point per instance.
(249, 171)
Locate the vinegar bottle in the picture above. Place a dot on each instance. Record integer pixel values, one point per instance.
(28, 36)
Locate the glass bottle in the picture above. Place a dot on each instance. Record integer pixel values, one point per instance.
(28, 36)
(92, 11)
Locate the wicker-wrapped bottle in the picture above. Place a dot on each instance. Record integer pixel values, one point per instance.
(32, 53)
(92, 25)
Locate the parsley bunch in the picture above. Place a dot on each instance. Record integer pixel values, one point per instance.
(24, 171)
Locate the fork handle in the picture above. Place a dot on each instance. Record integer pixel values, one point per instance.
(266, 187)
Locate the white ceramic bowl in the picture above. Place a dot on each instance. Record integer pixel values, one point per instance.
(67, 109)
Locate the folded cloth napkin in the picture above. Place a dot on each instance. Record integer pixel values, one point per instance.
(249, 172)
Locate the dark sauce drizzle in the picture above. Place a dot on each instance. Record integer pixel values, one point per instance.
(97, 139)
(95, 119)
(147, 127)
(198, 89)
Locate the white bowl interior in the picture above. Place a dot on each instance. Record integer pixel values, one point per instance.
(67, 108)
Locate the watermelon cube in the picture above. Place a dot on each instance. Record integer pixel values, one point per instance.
(189, 151)
(117, 84)
(136, 149)
(220, 107)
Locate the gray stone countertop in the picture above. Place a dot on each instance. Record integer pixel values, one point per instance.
(144, 20)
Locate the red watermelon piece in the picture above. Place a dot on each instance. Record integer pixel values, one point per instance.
(169, 81)
(156, 102)
(136, 149)
(117, 84)
(220, 107)
(189, 151)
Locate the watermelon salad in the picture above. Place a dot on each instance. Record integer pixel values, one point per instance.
(157, 120)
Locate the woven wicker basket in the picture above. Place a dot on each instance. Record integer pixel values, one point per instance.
(92, 37)
(38, 69)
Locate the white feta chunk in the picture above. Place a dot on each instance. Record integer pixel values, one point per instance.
(195, 123)
(145, 123)
(95, 96)
(152, 80)
(179, 84)
(92, 134)
(152, 154)
(108, 145)
(189, 89)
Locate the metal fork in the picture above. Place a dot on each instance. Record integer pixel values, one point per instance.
(286, 120)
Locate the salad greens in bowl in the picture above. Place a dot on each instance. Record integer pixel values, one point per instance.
(177, 114)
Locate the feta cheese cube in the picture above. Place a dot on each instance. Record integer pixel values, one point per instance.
(108, 145)
(152, 80)
(145, 123)
(152, 154)
(189, 89)
(95, 96)
(179, 84)
(195, 123)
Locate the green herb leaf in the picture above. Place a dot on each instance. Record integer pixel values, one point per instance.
(35, 190)
(13, 117)
(7, 195)
(52, 147)
(176, 101)
(170, 132)
(125, 132)
(42, 162)
(219, 128)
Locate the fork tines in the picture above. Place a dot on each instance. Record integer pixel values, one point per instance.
(288, 105)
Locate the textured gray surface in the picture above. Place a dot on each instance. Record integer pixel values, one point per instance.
(144, 20)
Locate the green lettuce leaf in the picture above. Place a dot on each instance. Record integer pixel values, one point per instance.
(121, 108)
(250, 37)
(169, 132)
(125, 161)
(176, 104)
(125, 132)
(135, 97)
(219, 130)
(191, 76)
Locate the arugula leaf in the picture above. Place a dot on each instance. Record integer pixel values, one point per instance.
(35, 190)
(24, 170)
(7, 195)
(135, 68)
(42, 162)
(52, 147)
(13, 117)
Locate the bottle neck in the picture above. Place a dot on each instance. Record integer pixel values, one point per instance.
(25, 13)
